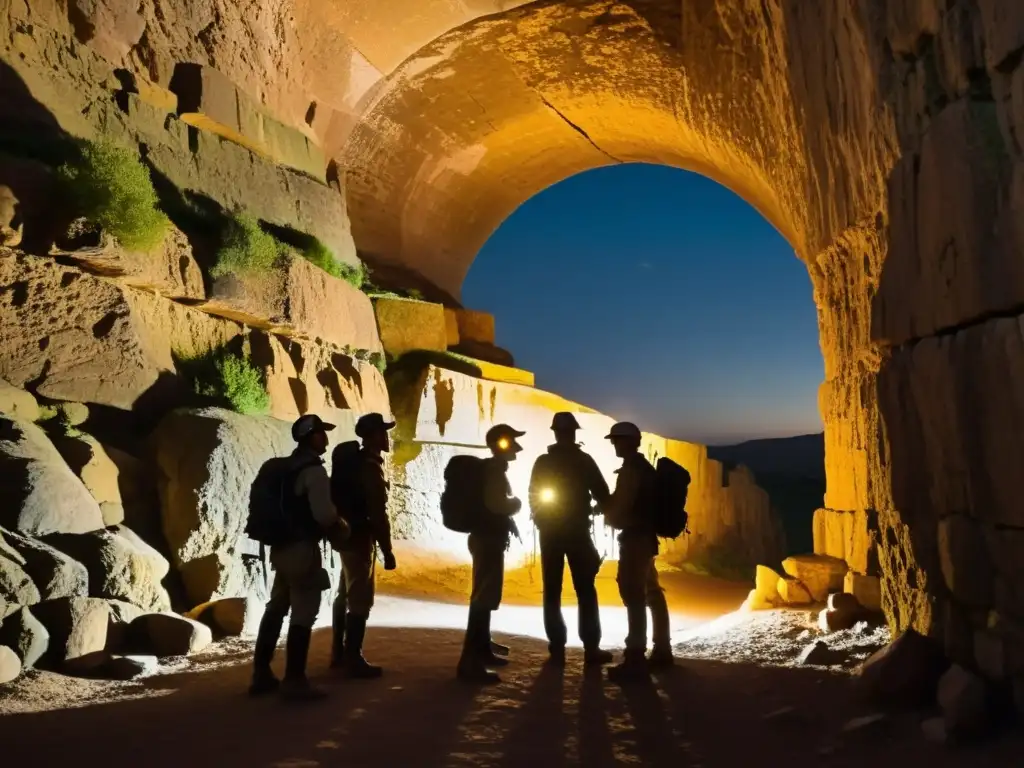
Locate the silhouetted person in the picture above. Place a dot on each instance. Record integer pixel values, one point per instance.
(290, 511)
(631, 511)
(361, 495)
(562, 484)
(489, 539)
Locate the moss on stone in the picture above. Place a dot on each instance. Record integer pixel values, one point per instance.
(245, 247)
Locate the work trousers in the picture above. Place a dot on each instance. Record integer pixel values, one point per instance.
(576, 547)
(639, 589)
(299, 578)
(356, 589)
(488, 552)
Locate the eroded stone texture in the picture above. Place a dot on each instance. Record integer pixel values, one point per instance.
(406, 325)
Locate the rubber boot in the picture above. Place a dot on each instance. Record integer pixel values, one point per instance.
(338, 628)
(263, 679)
(296, 685)
(472, 668)
(488, 655)
(633, 668)
(661, 657)
(355, 665)
(596, 656)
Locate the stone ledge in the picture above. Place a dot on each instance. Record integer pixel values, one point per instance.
(474, 325)
(408, 325)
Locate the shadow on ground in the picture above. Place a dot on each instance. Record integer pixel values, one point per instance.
(701, 714)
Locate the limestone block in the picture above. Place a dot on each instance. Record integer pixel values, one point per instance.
(10, 665)
(149, 92)
(121, 566)
(77, 626)
(966, 567)
(486, 352)
(169, 270)
(766, 584)
(475, 326)
(17, 403)
(406, 325)
(168, 634)
(42, 495)
(792, 592)
(867, 590)
(54, 574)
(904, 673)
(451, 326)
(26, 636)
(820, 574)
(91, 464)
(963, 697)
(298, 300)
(849, 536)
(111, 27)
(81, 338)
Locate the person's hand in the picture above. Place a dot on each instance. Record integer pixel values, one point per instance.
(515, 530)
(338, 534)
(389, 561)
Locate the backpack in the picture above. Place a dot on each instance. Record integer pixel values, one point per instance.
(463, 495)
(346, 488)
(274, 515)
(671, 484)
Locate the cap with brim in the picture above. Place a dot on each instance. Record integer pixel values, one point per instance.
(307, 424)
(623, 429)
(372, 422)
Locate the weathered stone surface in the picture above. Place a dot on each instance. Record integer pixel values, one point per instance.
(965, 563)
(999, 647)
(208, 460)
(848, 536)
(298, 300)
(406, 325)
(766, 584)
(25, 635)
(963, 697)
(904, 673)
(16, 586)
(54, 574)
(475, 326)
(793, 592)
(489, 353)
(90, 462)
(77, 626)
(866, 589)
(17, 403)
(169, 270)
(80, 338)
(818, 654)
(451, 326)
(41, 494)
(12, 227)
(121, 566)
(10, 665)
(169, 634)
(122, 614)
(231, 616)
(843, 611)
(820, 574)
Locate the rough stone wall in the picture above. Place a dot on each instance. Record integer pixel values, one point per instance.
(442, 413)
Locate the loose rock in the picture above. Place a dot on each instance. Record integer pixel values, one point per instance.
(122, 614)
(16, 586)
(169, 634)
(820, 574)
(766, 584)
(903, 674)
(26, 636)
(55, 574)
(866, 589)
(963, 697)
(10, 665)
(817, 654)
(17, 403)
(90, 462)
(231, 616)
(77, 627)
(793, 592)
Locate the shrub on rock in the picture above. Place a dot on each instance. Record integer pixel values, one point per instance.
(111, 187)
(26, 636)
(229, 380)
(245, 247)
(41, 493)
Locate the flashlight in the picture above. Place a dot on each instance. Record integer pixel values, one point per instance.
(547, 495)
(503, 443)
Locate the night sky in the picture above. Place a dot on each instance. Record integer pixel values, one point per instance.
(658, 296)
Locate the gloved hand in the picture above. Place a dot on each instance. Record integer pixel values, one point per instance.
(389, 561)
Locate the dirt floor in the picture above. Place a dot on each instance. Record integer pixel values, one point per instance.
(737, 698)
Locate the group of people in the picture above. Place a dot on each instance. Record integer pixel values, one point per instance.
(348, 510)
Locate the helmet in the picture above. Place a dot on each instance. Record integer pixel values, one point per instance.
(503, 437)
(564, 421)
(624, 429)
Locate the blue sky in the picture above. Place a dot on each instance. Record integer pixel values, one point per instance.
(658, 296)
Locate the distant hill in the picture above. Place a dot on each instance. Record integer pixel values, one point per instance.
(800, 456)
(792, 471)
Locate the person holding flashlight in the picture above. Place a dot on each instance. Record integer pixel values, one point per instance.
(488, 542)
(563, 484)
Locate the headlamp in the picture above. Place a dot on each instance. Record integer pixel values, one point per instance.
(547, 495)
(503, 443)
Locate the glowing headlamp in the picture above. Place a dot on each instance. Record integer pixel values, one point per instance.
(503, 443)
(547, 495)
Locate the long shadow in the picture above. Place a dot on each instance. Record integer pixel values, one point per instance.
(595, 743)
(544, 710)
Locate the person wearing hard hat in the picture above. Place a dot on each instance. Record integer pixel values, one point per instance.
(488, 542)
(630, 510)
(563, 483)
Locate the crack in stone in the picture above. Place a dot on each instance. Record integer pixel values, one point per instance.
(578, 129)
(1013, 312)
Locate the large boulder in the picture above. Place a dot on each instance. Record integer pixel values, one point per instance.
(903, 674)
(963, 697)
(821, 574)
(17, 403)
(54, 574)
(16, 586)
(119, 622)
(77, 626)
(41, 494)
(10, 665)
(90, 462)
(168, 634)
(207, 460)
(121, 566)
(231, 616)
(26, 636)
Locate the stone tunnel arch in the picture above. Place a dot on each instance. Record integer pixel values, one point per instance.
(824, 116)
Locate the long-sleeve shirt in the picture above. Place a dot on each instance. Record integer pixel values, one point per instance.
(573, 478)
(375, 496)
(499, 503)
(314, 483)
(629, 507)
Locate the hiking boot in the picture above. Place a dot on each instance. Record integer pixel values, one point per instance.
(263, 682)
(597, 657)
(300, 689)
(491, 660)
(498, 649)
(356, 666)
(472, 670)
(661, 658)
(633, 669)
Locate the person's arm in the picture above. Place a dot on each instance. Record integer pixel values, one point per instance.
(376, 495)
(317, 486)
(498, 496)
(619, 508)
(596, 483)
(536, 482)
